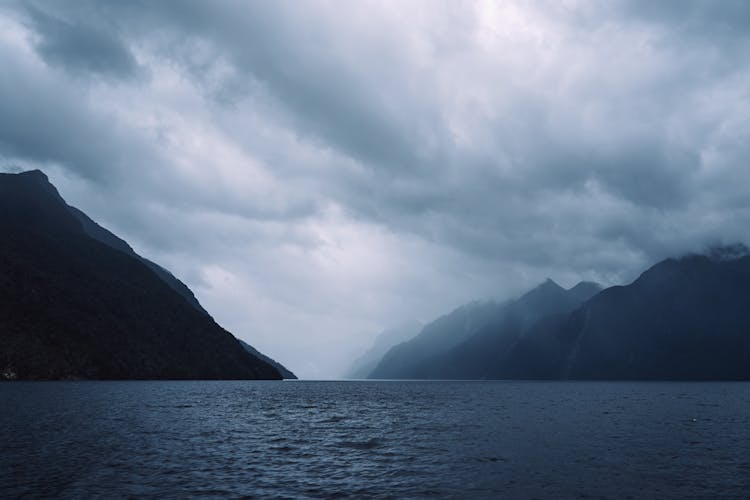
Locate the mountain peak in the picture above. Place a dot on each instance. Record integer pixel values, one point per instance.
(548, 284)
(583, 284)
(29, 199)
(71, 288)
(35, 173)
(584, 290)
(543, 292)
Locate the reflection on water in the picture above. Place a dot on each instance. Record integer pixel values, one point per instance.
(375, 439)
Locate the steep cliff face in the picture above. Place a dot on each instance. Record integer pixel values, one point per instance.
(74, 305)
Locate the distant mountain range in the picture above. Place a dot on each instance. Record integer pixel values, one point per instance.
(76, 302)
(685, 318)
(465, 343)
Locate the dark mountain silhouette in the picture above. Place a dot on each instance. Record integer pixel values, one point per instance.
(468, 343)
(366, 363)
(102, 235)
(683, 319)
(77, 302)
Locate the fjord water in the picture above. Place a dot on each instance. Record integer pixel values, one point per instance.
(375, 439)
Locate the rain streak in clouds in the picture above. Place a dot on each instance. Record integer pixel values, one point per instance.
(319, 171)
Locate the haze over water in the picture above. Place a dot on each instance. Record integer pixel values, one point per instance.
(375, 439)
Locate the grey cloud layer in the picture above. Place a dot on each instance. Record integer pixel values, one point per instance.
(80, 46)
(493, 143)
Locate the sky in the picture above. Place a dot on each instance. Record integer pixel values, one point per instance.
(319, 171)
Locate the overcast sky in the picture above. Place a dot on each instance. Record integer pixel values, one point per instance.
(319, 171)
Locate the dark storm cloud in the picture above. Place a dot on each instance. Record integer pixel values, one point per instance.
(79, 45)
(725, 20)
(459, 150)
(48, 122)
(289, 52)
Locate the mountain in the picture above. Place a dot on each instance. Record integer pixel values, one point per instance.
(477, 356)
(286, 374)
(683, 319)
(468, 343)
(77, 303)
(366, 363)
(102, 235)
(583, 291)
(434, 339)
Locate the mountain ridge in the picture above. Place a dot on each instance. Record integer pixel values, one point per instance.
(684, 318)
(74, 307)
(472, 354)
(361, 367)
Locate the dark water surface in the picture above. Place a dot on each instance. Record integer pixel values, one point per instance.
(375, 439)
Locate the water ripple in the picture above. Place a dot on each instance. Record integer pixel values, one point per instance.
(374, 439)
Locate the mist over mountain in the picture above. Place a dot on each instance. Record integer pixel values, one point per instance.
(435, 338)
(477, 356)
(467, 342)
(366, 363)
(684, 318)
(77, 303)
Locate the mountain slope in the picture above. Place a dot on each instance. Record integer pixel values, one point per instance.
(102, 235)
(434, 339)
(682, 319)
(474, 353)
(366, 363)
(74, 307)
(477, 357)
(285, 373)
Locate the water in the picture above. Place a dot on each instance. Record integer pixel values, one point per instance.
(375, 439)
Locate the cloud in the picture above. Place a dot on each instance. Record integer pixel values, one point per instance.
(320, 171)
(79, 46)
(45, 119)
